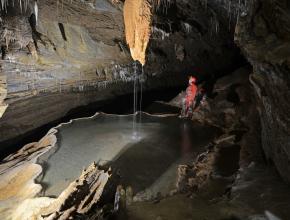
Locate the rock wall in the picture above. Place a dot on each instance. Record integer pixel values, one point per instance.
(193, 37)
(72, 66)
(263, 33)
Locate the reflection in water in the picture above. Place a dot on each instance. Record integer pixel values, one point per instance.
(136, 135)
(186, 140)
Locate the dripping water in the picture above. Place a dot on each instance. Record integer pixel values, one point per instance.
(141, 96)
(137, 105)
(135, 100)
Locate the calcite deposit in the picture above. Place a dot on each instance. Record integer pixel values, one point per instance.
(138, 20)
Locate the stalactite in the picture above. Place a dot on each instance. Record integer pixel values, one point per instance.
(23, 4)
(187, 27)
(36, 11)
(164, 4)
(214, 23)
(138, 19)
(159, 32)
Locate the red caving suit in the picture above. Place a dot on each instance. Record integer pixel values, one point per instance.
(190, 95)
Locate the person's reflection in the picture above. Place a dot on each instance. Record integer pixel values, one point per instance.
(185, 139)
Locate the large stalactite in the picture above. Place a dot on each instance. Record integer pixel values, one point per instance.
(138, 19)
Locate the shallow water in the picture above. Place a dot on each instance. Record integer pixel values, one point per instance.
(144, 158)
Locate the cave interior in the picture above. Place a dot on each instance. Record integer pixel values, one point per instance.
(145, 109)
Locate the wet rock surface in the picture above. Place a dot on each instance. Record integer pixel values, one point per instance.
(266, 46)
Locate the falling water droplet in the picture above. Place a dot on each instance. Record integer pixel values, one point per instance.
(135, 97)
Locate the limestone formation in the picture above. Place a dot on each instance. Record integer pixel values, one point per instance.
(138, 19)
(78, 197)
(19, 194)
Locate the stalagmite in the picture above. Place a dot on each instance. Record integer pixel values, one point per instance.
(138, 18)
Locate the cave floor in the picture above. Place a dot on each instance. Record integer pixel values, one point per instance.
(259, 194)
(177, 207)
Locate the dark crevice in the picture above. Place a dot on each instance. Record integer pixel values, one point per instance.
(62, 31)
(3, 52)
(233, 96)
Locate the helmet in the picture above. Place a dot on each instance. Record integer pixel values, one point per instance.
(192, 79)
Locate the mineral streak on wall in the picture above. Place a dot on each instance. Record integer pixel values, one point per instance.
(137, 18)
(3, 94)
